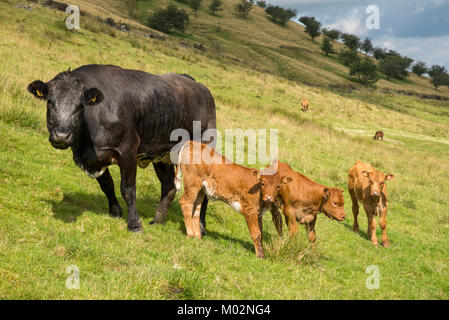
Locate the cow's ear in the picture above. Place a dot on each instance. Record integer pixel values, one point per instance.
(326, 194)
(39, 89)
(93, 96)
(389, 176)
(286, 179)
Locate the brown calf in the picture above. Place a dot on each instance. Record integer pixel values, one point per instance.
(304, 105)
(215, 177)
(379, 135)
(367, 185)
(301, 199)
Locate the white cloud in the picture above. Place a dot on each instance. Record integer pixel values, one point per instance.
(351, 23)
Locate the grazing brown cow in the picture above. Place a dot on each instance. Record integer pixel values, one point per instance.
(215, 177)
(367, 185)
(301, 199)
(304, 105)
(379, 135)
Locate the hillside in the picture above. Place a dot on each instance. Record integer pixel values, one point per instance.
(53, 216)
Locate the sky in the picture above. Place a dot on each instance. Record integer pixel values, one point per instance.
(418, 29)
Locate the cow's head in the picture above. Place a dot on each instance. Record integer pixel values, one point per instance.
(333, 203)
(66, 98)
(269, 185)
(376, 181)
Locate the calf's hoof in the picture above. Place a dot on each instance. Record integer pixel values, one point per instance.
(115, 211)
(386, 244)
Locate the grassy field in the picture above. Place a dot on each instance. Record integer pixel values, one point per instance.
(53, 216)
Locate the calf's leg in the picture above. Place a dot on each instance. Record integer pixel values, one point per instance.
(355, 210)
(107, 185)
(290, 217)
(277, 219)
(252, 220)
(196, 209)
(166, 175)
(371, 226)
(310, 228)
(383, 226)
(187, 203)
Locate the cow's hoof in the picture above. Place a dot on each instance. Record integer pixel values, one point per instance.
(376, 244)
(115, 211)
(136, 229)
(385, 244)
(203, 230)
(158, 219)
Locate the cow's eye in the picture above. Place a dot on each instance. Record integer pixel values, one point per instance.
(262, 184)
(278, 187)
(335, 204)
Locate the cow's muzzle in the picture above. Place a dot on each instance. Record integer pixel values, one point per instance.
(60, 140)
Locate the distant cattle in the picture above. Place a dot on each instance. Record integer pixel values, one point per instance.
(304, 105)
(367, 186)
(302, 199)
(244, 189)
(109, 115)
(379, 135)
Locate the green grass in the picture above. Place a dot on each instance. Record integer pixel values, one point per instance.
(53, 216)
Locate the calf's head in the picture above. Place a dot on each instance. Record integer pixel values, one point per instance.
(333, 203)
(269, 185)
(376, 181)
(66, 98)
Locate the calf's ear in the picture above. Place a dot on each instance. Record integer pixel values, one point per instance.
(256, 173)
(389, 176)
(39, 89)
(286, 179)
(93, 96)
(326, 194)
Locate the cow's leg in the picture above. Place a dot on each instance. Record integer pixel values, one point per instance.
(166, 175)
(383, 226)
(128, 169)
(252, 220)
(310, 228)
(196, 215)
(371, 231)
(107, 185)
(203, 216)
(277, 219)
(355, 210)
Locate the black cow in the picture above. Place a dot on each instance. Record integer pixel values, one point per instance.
(109, 115)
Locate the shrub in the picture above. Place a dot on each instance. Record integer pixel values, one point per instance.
(215, 6)
(419, 68)
(195, 5)
(333, 34)
(261, 4)
(438, 76)
(379, 53)
(244, 7)
(394, 66)
(327, 46)
(367, 46)
(349, 57)
(364, 71)
(280, 15)
(170, 19)
(312, 26)
(351, 41)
